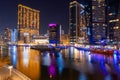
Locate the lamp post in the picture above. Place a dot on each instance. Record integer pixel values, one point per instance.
(10, 68)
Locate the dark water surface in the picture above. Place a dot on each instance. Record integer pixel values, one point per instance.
(68, 64)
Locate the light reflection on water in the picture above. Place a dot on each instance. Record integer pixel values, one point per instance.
(28, 62)
(46, 59)
(88, 66)
(26, 56)
(60, 63)
(14, 55)
(82, 77)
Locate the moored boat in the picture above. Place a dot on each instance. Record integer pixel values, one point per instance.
(102, 51)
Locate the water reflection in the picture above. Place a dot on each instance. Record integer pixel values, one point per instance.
(28, 62)
(46, 59)
(60, 63)
(54, 61)
(52, 68)
(26, 56)
(13, 51)
(82, 76)
(69, 64)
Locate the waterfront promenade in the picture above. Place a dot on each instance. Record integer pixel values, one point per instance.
(11, 74)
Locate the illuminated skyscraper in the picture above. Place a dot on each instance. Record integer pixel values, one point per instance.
(74, 21)
(83, 35)
(28, 23)
(98, 29)
(117, 26)
(113, 20)
(54, 33)
(7, 36)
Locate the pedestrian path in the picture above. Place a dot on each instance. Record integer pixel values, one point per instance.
(5, 74)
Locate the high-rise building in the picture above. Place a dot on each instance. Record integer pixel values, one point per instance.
(28, 23)
(74, 21)
(98, 29)
(1, 40)
(14, 35)
(117, 27)
(7, 36)
(88, 19)
(65, 39)
(113, 20)
(54, 33)
(10, 36)
(83, 35)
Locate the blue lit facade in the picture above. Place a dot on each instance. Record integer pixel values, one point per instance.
(54, 33)
(14, 35)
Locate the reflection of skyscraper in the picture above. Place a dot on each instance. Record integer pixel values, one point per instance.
(98, 20)
(74, 18)
(28, 23)
(54, 33)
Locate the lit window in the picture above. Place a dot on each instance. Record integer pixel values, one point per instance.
(116, 27)
(104, 25)
(74, 31)
(115, 20)
(110, 14)
(93, 7)
(100, 18)
(100, 1)
(99, 6)
(97, 24)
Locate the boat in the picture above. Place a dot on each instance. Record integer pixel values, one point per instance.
(102, 51)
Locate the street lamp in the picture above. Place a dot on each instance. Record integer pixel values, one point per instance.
(10, 68)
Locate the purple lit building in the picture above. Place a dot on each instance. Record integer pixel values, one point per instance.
(54, 33)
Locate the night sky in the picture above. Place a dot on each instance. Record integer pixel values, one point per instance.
(51, 11)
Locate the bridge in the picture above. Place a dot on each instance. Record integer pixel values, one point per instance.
(48, 47)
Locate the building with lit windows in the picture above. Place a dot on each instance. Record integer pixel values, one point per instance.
(10, 36)
(83, 35)
(98, 29)
(1, 40)
(113, 21)
(7, 36)
(54, 33)
(41, 40)
(117, 27)
(65, 39)
(28, 23)
(75, 22)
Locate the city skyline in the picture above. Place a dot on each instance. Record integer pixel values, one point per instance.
(60, 40)
(50, 12)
